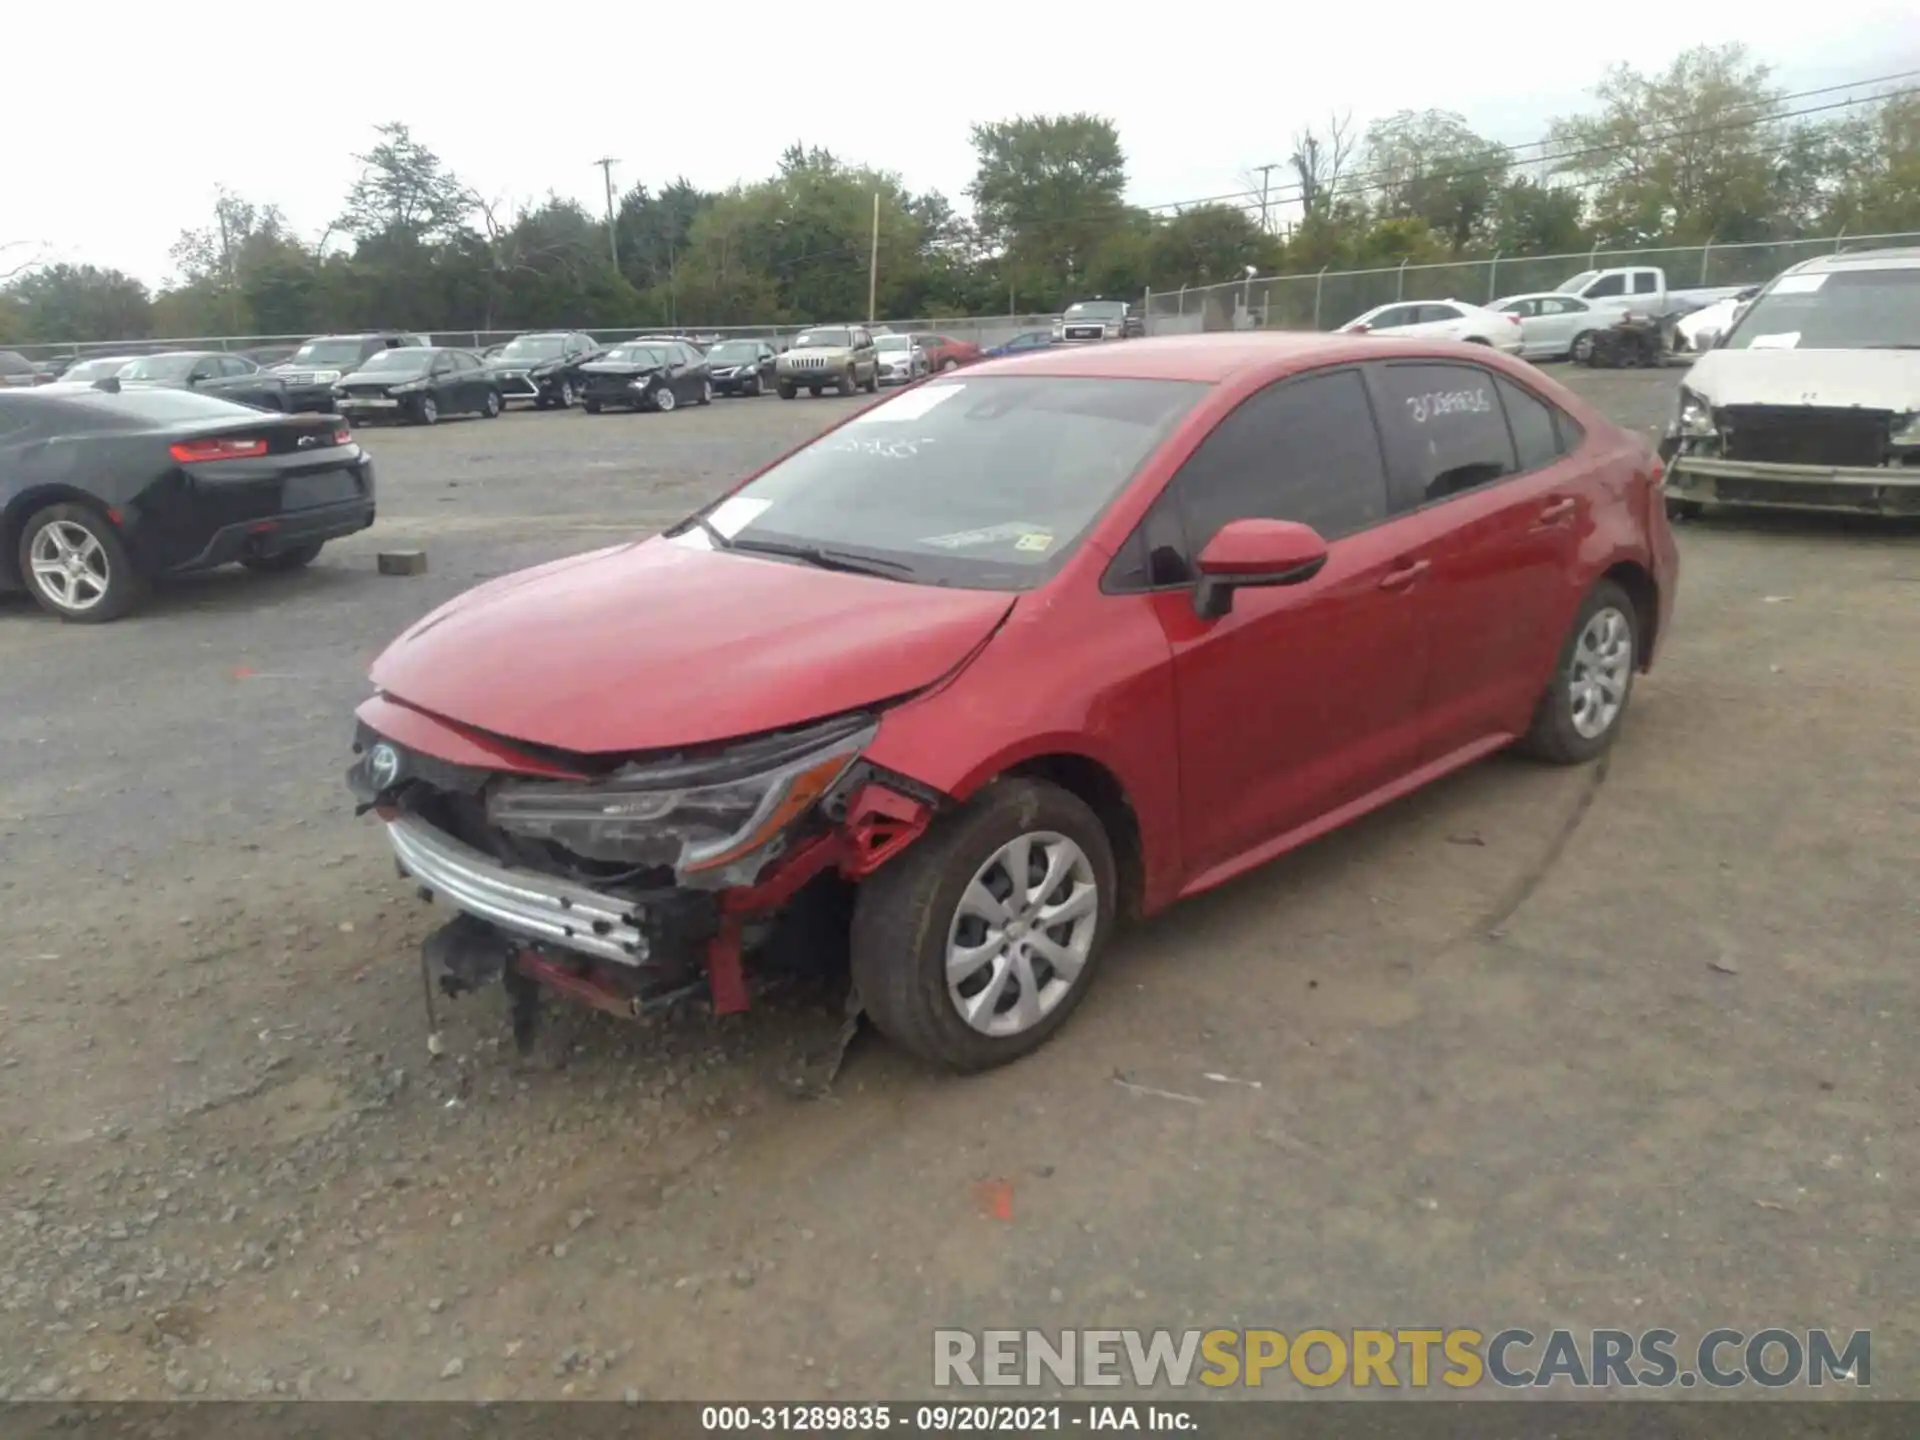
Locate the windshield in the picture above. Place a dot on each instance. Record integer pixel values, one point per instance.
(1577, 283)
(894, 342)
(534, 347)
(90, 370)
(1840, 310)
(986, 483)
(636, 355)
(732, 352)
(823, 340)
(160, 367)
(1098, 309)
(334, 353)
(410, 361)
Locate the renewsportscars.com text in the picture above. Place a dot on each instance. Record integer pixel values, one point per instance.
(1413, 1358)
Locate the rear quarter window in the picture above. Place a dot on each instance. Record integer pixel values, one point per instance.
(1538, 427)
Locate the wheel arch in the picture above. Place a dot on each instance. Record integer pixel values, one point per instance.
(1101, 790)
(1634, 578)
(23, 507)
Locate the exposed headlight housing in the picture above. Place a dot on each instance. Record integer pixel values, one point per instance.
(1695, 416)
(714, 819)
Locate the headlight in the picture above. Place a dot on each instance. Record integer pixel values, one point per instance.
(412, 387)
(699, 816)
(1695, 417)
(325, 377)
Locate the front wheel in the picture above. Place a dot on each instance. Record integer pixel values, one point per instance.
(846, 384)
(1685, 509)
(1580, 713)
(786, 389)
(491, 406)
(706, 392)
(664, 400)
(592, 407)
(76, 566)
(566, 394)
(297, 557)
(426, 410)
(755, 387)
(975, 945)
(1582, 351)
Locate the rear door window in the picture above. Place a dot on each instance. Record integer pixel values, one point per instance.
(1447, 427)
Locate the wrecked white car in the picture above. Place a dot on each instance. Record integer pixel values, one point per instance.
(1812, 400)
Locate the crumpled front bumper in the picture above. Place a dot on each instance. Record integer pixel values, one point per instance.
(1868, 490)
(525, 903)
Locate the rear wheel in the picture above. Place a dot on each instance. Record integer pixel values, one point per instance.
(296, 557)
(76, 566)
(1580, 713)
(592, 407)
(786, 388)
(814, 391)
(974, 946)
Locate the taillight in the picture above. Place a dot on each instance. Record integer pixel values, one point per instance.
(1513, 319)
(217, 447)
(343, 436)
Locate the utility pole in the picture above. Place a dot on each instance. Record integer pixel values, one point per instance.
(873, 261)
(613, 238)
(1265, 171)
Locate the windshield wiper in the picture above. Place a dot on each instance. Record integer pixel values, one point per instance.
(826, 559)
(1895, 345)
(720, 542)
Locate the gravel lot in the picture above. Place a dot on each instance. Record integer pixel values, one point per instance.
(1623, 1046)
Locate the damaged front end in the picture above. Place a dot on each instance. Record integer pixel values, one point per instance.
(630, 883)
(1793, 457)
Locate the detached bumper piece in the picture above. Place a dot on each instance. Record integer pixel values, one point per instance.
(1861, 490)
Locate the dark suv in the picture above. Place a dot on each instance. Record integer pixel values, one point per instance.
(312, 371)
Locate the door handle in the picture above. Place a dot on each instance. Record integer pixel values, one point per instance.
(1405, 575)
(1558, 511)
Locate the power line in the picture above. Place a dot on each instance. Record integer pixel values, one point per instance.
(1249, 197)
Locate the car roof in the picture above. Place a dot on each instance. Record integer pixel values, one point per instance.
(1209, 358)
(1899, 257)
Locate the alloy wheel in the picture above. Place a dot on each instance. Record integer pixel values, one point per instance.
(566, 394)
(70, 565)
(1022, 933)
(664, 399)
(1602, 668)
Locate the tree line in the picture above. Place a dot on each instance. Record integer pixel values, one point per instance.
(1710, 149)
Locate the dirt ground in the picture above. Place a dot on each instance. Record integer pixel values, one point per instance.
(1624, 1046)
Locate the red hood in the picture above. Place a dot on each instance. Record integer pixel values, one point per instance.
(656, 645)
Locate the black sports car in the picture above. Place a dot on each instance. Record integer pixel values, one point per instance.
(418, 383)
(543, 368)
(105, 489)
(647, 374)
(741, 367)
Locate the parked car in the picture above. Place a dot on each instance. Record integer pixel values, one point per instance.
(1641, 289)
(944, 352)
(1441, 320)
(1011, 656)
(1553, 326)
(840, 356)
(1020, 344)
(231, 377)
(903, 359)
(419, 383)
(1089, 320)
(1701, 330)
(102, 491)
(90, 368)
(741, 367)
(543, 368)
(16, 370)
(313, 370)
(1811, 401)
(647, 375)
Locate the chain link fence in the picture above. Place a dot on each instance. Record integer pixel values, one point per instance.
(1330, 298)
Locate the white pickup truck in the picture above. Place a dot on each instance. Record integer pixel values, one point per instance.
(1639, 288)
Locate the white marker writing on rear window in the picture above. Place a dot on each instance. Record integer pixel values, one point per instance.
(1436, 403)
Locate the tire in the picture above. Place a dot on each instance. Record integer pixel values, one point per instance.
(110, 588)
(755, 388)
(490, 408)
(872, 387)
(1581, 352)
(565, 398)
(814, 391)
(906, 915)
(847, 383)
(282, 561)
(706, 392)
(1685, 509)
(1558, 735)
(426, 411)
(785, 389)
(592, 407)
(664, 400)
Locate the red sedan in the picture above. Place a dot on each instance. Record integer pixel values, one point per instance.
(944, 352)
(1013, 656)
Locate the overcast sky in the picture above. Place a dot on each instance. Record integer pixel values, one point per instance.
(124, 119)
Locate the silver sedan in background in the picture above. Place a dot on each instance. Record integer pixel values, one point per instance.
(902, 359)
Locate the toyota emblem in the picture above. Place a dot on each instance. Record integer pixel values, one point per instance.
(383, 767)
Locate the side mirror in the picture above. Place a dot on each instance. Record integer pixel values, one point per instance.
(1247, 554)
